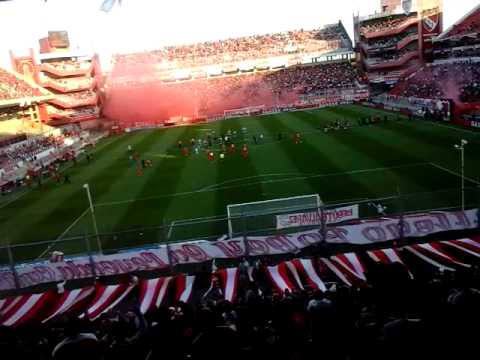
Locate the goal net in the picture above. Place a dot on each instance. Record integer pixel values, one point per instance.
(261, 215)
(246, 111)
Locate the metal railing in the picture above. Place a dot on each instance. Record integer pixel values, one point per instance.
(213, 228)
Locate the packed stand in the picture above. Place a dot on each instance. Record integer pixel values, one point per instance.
(383, 24)
(69, 65)
(390, 41)
(464, 52)
(392, 55)
(78, 97)
(313, 79)
(70, 84)
(243, 48)
(29, 149)
(394, 316)
(12, 87)
(211, 96)
(458, 81)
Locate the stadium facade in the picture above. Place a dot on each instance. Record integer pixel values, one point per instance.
(397, 41)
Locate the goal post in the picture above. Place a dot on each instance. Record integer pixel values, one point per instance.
(262, 214)
(246, 111)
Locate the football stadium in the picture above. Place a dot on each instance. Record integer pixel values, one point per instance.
(293, 191)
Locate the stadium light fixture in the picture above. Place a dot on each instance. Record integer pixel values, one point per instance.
(461, 148)
(92, 212)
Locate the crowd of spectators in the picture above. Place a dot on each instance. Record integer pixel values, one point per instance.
(470, 92)
(392, 55)
(213, 95)
(462, 52)
(29, 149)
(312, 79)
(70, 65)
(459, 81)
(12, 87)
(243, 48)
(78, 97)
(384, 24)
(396, 317)
(390, 41)
(70, 83)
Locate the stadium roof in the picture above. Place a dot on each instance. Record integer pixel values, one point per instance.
(446, 34)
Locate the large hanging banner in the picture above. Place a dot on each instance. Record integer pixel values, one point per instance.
(163, 256)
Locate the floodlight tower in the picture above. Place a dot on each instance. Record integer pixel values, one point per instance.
(461, 148)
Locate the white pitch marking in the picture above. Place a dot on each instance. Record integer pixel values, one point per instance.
(60, 237)
(454, 173)
(257, 183)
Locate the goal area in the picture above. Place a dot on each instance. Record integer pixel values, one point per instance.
(246, 111)
(261, 215)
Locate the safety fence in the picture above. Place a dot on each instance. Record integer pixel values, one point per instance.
(280, 232)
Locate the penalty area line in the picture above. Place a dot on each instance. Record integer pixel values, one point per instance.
(60, 237)
(238, 186)
(451, 172)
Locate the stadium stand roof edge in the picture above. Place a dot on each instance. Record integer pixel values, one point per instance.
(444, 35)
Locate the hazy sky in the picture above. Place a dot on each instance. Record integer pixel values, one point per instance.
(144, 24)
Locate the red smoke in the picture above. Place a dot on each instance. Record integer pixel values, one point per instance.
(139, 94)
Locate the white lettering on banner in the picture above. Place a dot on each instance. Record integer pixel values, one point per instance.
(200, 251)
(331, 216)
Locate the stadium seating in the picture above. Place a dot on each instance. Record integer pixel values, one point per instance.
(243, 48)
(12, 87)
(78, 98)
(27, 150)
(384, 24)
(212, 96)
(459, 81)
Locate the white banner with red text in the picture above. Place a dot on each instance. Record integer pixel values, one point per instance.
(330, 216)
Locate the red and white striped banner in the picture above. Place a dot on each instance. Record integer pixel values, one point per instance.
(385, 256)
(69, 299)
(229, 280)
(351, 262)
(306, 267)
(289, 275)
(152, 293)
(6, 304)
(107, 297)
(293, 270)
(434, 255)
(184, 287)
(24, 308)
(436, 249)
(468, 246)
(337, 270)
(278, 274)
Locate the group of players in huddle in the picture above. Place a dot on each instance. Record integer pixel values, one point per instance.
(212, 145)
(227, 144)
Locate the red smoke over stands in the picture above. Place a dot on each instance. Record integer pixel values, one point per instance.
(204, 80)
(459, 81)
(159, 100)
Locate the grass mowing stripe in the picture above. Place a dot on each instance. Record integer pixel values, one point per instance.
(384, 146)
(165, 174)
(324, 160)
(58, 215)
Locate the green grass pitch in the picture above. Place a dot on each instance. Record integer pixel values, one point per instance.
(358, 163)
